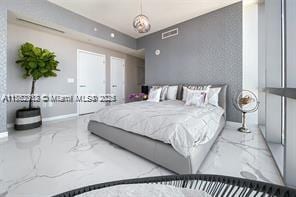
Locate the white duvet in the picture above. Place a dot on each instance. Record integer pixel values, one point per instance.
(172, 122)
(145, 190)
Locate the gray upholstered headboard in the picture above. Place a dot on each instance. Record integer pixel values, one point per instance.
(223, 97)
(222, 94)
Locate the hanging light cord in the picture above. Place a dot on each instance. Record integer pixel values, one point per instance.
(141, 7)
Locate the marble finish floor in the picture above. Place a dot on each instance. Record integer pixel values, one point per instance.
(62, 156)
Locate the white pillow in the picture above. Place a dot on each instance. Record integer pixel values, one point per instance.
(164, 92)
(196, 97)
(213, 96)
(154, 94)
(172, 92)
(185, 90)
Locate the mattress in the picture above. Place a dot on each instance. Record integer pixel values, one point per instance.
(172, 122)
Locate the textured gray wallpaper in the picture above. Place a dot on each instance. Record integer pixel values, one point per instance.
(3, 59)
(208, 49)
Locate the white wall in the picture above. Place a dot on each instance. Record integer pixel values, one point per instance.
(66, 52)
(250, 52)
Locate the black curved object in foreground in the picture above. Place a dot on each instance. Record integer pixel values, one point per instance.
(214, 185)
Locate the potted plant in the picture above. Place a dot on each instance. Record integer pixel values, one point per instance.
(36, 63)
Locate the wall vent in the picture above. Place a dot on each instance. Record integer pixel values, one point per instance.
(170, 33)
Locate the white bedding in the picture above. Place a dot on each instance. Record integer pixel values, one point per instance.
(184, 127)
(145, 190)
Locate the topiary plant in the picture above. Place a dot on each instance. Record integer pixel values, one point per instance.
(36, 63)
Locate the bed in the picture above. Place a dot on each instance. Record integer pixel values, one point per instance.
(172, 155)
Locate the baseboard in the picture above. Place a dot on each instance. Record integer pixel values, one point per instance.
(233, 124)
(50, 119)
(238, 124)
(4, 134)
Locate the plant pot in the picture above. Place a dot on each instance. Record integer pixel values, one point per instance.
(28, 119)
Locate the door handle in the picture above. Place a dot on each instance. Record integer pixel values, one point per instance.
(82, 86)
(114, 86)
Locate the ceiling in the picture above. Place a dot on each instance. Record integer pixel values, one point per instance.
(24, 21)
(119, 14)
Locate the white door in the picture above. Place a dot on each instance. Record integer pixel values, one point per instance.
(91, 81)
(117, 79)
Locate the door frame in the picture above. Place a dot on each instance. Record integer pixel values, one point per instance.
(78, 77)
(124, 67)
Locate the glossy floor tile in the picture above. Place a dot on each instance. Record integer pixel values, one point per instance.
(243, 155)
(64, 155)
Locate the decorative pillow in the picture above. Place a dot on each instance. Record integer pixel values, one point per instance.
(154, 94)
(186, 88)
(196, 97)
(213, 96)
(184, 96)
(172, 92)
(164, 92)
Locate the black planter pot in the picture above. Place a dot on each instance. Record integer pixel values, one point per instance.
(28, 119)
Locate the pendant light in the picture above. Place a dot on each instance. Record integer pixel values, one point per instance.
(141, 22)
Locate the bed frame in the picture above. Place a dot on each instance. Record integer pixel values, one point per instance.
(156, 151)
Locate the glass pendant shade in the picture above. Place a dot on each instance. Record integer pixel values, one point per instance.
(141, 24)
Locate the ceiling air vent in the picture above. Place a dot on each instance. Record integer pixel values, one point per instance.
(37, 24)
(170, 33)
